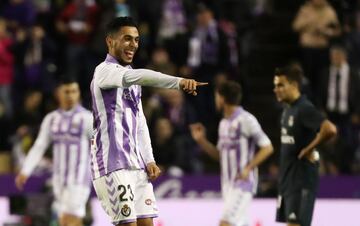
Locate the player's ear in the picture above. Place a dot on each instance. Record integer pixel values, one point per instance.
(109, 41)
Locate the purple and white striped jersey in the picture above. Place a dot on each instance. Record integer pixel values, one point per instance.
(121, 137)
(239, 135)
(69, 133)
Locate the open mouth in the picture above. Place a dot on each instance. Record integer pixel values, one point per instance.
(129, 53)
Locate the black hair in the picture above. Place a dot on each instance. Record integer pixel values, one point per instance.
(66, 80)
(231, 91)
(114, 26)
(292, 73)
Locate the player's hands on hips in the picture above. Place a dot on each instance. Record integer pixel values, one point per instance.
(244, 174)
(311, 155)
(153, 170)
(190, 85)
(20, 181)
(198, 131)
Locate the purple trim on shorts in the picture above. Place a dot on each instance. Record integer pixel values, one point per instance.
(147, 216)
(123, 221)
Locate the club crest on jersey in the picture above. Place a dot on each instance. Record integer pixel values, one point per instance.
(127, 95)
(148, 202)
(291, 121)
(126, 210)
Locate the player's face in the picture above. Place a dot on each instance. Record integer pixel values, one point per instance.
(69, 95)
(219, 102)
(283, 89)
(124, 44)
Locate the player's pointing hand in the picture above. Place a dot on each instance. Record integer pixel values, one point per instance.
(190, 85)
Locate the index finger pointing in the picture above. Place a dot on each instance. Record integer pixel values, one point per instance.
(202, 83)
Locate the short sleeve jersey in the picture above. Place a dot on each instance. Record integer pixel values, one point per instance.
(300, 123)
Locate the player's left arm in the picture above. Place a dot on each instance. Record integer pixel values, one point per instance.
(313, 120)
(327, 131)
(262, 141)
(146, 150)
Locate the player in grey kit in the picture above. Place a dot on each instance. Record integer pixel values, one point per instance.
(122, 161)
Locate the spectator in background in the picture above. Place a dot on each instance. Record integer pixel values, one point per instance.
(169, 109)
(19, 13)
(168, 114)
(77, 21)
(166, 148)
(6, 68)
(316, 23)
(26, 127)
(352, 40)
(121, 8)
(35, 54)
(160, 62)
(175, 108)
(173, 28)
(152, 104)
(208, 55)
(30, 114)
(340, 90)
(6, 129)
(208, 46)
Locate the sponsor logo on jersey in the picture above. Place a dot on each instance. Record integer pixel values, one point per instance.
(148, 202)
(125, 210)
(286, 139)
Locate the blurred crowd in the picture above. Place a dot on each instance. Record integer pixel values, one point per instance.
(43, 40)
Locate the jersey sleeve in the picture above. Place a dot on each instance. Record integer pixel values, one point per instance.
(311, 118)
(144, 138)
(38, 149)
(113, 76)
(88, 127)
(255, 132)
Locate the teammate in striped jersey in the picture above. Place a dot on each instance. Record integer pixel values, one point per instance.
(68, 129)
(239, 135)
(122, 161)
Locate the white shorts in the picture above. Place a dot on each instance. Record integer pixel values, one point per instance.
(72, 200)
(236, 206)
(126, 195)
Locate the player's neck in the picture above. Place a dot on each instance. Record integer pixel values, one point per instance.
(294, 97)
(229, 110)
(67, 108)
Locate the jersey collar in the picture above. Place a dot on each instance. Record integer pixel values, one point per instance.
(70, 111)
(111, 59)
(236, 113)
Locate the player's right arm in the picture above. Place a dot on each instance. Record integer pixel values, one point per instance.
(113, 76)
(35, 154)
(198, 133)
